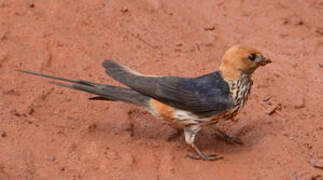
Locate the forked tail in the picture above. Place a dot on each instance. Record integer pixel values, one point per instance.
(104, 92)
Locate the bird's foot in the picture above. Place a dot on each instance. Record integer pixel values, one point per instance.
(206, 157)
(230, 139)
(227, 138)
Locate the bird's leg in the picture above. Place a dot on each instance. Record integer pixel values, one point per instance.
(175, 134)
(190, 133)
(227, 138)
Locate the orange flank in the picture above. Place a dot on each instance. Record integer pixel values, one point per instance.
(161, 109)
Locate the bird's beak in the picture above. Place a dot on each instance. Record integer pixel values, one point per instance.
(264, 61)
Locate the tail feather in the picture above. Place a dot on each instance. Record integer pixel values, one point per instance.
(104, 92)
(46, 76)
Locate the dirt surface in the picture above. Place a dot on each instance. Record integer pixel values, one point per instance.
(50, 132)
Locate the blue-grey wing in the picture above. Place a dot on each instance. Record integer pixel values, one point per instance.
(204, 95)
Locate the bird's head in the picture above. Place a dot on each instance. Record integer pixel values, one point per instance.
(241, 60)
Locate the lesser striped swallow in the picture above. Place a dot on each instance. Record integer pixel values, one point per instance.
(188, 103)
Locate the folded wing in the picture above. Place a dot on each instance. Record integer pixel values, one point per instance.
(205, 95)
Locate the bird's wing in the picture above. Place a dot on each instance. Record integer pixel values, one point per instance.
(205, 95)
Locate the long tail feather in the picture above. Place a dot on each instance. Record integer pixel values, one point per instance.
(104, 92)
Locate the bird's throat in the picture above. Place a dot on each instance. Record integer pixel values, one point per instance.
(240, 89)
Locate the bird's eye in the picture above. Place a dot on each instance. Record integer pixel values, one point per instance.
(252, 56)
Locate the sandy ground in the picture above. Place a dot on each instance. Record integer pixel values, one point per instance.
(49, 132)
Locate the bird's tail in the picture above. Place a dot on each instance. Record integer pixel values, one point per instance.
(104, 92)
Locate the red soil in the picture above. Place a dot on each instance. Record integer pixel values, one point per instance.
(50, 132)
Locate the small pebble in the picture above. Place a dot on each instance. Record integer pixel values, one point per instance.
(299, 103)
(124, 10)
(271, 110)
(267, 98)
(317, 177)
(3, 134)
(51, 158)
(316, 163)
(209, 28)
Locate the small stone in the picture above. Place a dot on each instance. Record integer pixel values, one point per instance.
(51, 158)
(299, 103)
(285, 134)
(319, 31)
(3, 134)
(14, 112)
(300, 22)
(124, 10)
(294, 20)
(308, 145)
(3, 36)
(283, 35)
(209, 44)
(209, 28)
(92, 127)
(179, 44)
(31, 111)
(271, 110)
(317, 177)
(316, 163)
(267, 98)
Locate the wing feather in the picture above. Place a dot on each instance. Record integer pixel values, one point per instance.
(204, 95)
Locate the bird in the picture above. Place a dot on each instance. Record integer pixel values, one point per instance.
(186, 103)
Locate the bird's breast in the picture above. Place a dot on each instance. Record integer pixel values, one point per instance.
(240, 90)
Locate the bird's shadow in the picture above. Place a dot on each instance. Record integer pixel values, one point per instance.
(142, 125)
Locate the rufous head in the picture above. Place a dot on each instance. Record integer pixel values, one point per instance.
(241, 60)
